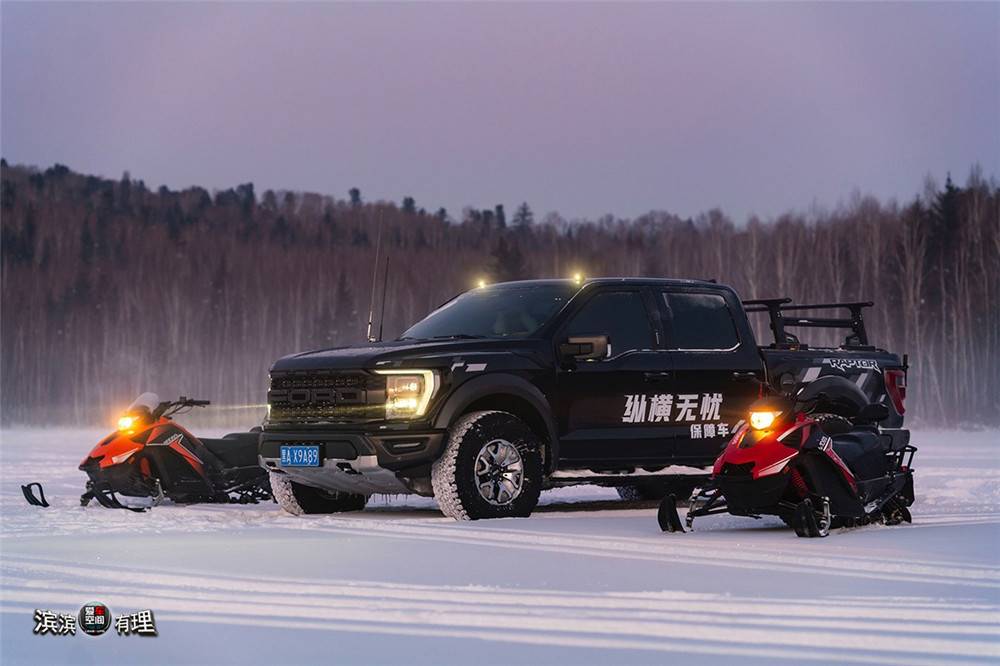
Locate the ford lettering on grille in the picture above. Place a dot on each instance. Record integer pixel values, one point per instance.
(304, 396)
(311, 397)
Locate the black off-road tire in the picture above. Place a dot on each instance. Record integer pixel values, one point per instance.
(453, 475)
(298, 499)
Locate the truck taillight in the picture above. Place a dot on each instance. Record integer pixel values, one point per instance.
(895, 388)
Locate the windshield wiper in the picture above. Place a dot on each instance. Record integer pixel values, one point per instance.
(458, 336)
(455, 336)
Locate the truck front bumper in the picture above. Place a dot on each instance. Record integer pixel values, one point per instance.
(364, 463)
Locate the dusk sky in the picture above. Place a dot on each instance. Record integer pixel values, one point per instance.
(583, 109)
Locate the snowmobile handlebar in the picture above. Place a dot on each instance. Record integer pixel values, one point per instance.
(171, 407)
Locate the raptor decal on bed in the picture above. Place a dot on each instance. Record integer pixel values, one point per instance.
(845, 364)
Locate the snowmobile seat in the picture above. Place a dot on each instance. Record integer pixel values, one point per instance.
(862, 451)
(238, 449)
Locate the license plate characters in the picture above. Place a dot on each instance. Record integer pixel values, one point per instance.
(296, 455)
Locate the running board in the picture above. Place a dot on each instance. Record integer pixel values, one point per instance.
(578, 477)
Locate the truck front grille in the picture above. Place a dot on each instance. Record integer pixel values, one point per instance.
(322, 396)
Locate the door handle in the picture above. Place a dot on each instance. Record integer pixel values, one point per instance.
(656, 376)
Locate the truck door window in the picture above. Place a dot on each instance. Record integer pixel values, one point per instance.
(700, 322)
(620, 315)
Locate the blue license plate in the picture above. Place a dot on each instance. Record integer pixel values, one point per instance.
(299, 456)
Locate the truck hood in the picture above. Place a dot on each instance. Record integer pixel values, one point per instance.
(382, 354)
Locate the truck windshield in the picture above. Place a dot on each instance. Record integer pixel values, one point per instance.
(494, 312)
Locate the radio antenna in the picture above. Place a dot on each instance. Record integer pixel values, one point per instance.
(371, 302)
(385, 284)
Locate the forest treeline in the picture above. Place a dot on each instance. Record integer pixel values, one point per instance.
(110, 288)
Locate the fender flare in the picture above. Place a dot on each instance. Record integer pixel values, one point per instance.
(501, 384)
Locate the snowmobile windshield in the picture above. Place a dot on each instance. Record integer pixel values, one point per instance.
(145, 402)
(499, 311)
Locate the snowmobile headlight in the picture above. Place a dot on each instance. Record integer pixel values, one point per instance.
(407, 392)
(127, 422)
(763, 420)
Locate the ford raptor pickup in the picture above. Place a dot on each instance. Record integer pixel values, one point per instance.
(513, 388)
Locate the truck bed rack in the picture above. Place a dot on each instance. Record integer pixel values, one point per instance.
(777, 307)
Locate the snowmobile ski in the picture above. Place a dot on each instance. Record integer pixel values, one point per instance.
(669, 519)
(106, 498)
(29, 494)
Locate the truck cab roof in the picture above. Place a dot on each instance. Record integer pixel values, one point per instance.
(603, 281)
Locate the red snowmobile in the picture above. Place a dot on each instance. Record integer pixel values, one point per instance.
(150, 455)
(817, 459)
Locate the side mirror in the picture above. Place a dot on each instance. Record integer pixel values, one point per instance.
(585, 348)
(873, 413)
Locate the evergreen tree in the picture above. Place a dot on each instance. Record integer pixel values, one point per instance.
(175, 222)
(248, 199)
(409, 206)
(282, 232)
(126, 191)
(28, 236)
(329, 222)
(501, 216)
(86, 245)
(9, 195)
(945, 220)
(943, 232)
(355, 195)
(270, 201)
(523, 217)
(345, 313)
(508, 261)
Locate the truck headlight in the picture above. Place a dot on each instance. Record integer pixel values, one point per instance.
(407, 392)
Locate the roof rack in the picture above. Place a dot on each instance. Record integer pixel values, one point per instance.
(776, 307)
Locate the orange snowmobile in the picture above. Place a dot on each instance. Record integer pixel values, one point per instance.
(151, 456)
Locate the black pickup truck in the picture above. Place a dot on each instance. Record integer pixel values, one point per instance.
(513, 388)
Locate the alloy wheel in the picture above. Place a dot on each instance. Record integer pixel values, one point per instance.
(499, 472)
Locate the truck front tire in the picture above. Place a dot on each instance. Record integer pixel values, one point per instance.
(298, 499)
(491, 468)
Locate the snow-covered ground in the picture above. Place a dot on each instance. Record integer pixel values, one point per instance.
(587, 579)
